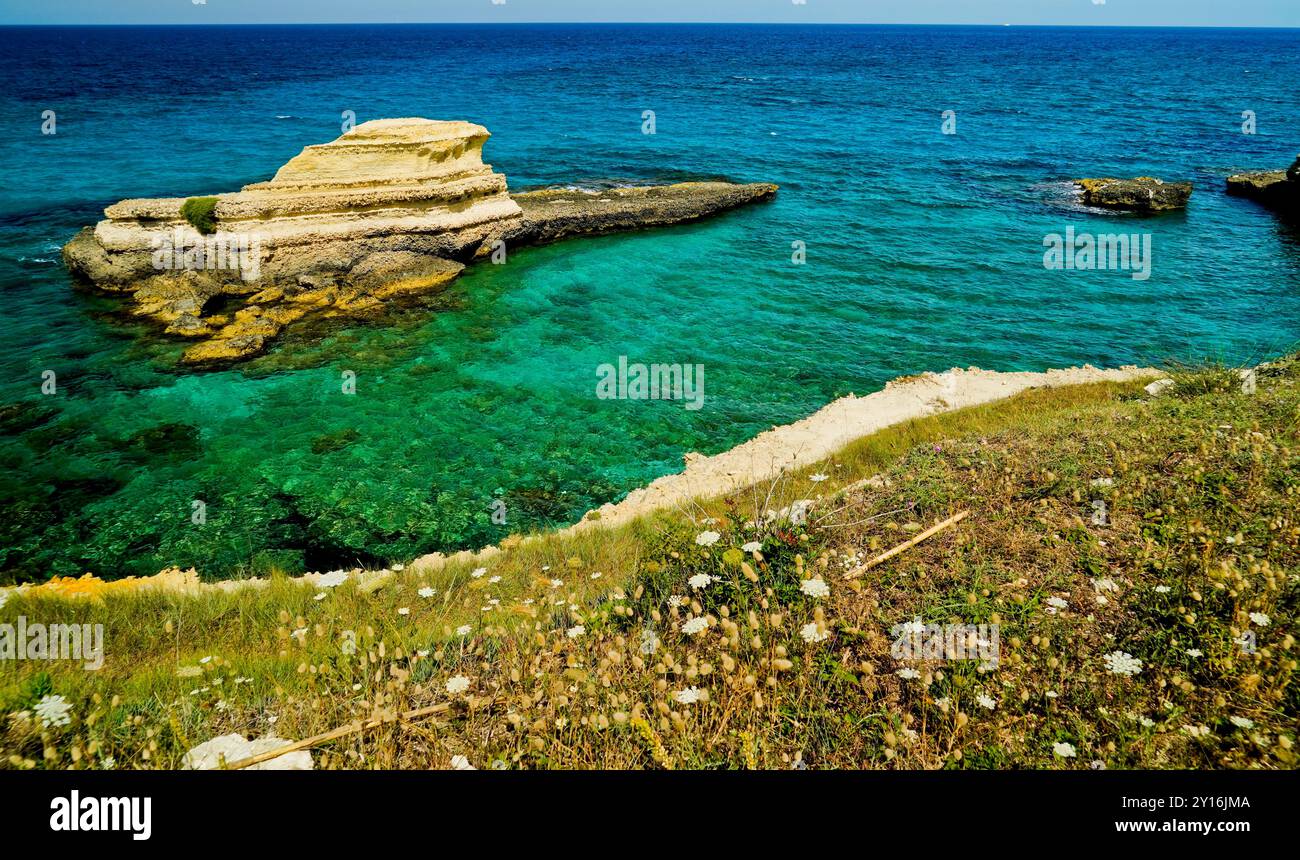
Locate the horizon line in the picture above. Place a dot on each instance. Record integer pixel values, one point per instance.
(671, 24)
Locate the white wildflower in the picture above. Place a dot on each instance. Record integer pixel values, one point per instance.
(53, 710)
(649, 641)
(689, 696)
(427, 591)
(575, 631)
(908, 674)
(815, 587)
(463, 630)
(1064, 750)
(1195, 652)
(478, 572)
(752, 546)
(986, 701)
(457, 685)
(812, 633)
(1162, 589)
(699, 580)
(1260, 618)
(695, 626)
(404, 610)
(1122, 663)
(818, 478)
(913, 627)
(707, 538)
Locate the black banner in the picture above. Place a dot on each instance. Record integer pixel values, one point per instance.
(150, 810)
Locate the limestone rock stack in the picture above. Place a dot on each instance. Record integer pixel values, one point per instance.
(392, 206)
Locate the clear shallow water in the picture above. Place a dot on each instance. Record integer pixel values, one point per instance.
(924, 252)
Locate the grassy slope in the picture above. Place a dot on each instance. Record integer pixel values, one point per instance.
(1201, 532)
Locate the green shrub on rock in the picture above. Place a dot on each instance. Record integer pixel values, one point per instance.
(200, 212)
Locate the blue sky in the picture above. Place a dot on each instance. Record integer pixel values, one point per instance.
(1254, 13)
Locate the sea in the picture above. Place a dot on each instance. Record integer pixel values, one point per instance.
(921, 172)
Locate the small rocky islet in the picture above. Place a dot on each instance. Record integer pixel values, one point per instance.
(1279, 190)
(390, 209)
(1144, 194)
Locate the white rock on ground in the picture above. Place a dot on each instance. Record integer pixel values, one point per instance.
(1160, 386)
(234, 747)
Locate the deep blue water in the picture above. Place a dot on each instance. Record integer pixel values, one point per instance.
(924, 251)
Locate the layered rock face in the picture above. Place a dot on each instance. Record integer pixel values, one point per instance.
(392, 207)
(1276, 189)
(1143, 194)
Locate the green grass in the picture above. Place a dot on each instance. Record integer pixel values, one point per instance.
(201, 213)
(1199, 486)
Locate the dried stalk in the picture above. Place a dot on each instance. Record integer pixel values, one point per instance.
(335, 734)
(906, 545)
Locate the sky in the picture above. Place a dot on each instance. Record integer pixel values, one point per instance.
(1190, 13)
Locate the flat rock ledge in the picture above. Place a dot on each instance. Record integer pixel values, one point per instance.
(1277, 189)
(1143, 194)
(391, 209)
(552, 215)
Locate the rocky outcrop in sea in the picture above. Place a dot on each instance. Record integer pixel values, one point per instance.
(1143, 194)
(1277, 189)
(393, 207)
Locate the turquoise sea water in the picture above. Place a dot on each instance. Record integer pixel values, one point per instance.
(924, 251)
